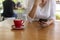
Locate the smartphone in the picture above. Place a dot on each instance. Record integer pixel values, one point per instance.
(45, 20)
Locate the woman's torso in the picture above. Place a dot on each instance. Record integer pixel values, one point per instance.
(44, 12)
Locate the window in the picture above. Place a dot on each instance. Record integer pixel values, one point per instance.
(1, 6)
(58, 9)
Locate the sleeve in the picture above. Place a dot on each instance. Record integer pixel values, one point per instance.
(53, 9)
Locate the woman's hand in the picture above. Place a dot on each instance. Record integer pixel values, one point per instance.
(49, 22)
(44, 24)
(42, 3)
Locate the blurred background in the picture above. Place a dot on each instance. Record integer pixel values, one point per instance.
(24, 3)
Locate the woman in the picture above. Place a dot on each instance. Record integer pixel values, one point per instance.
(43, 11)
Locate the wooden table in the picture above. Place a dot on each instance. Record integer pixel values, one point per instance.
(32, 31)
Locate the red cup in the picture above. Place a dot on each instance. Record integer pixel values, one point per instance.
(18, 23)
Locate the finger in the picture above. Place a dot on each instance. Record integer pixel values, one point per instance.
(43, 22)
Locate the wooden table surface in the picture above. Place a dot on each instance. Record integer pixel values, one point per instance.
(32, 31)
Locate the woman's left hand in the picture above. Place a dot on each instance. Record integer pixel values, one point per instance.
(44, 24)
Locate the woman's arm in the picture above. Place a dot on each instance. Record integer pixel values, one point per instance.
(32, 12)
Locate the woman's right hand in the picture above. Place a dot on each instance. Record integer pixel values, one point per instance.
(42, 3)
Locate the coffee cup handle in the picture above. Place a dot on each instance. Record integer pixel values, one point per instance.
(22, 23)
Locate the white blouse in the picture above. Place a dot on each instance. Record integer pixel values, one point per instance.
(47, 12)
